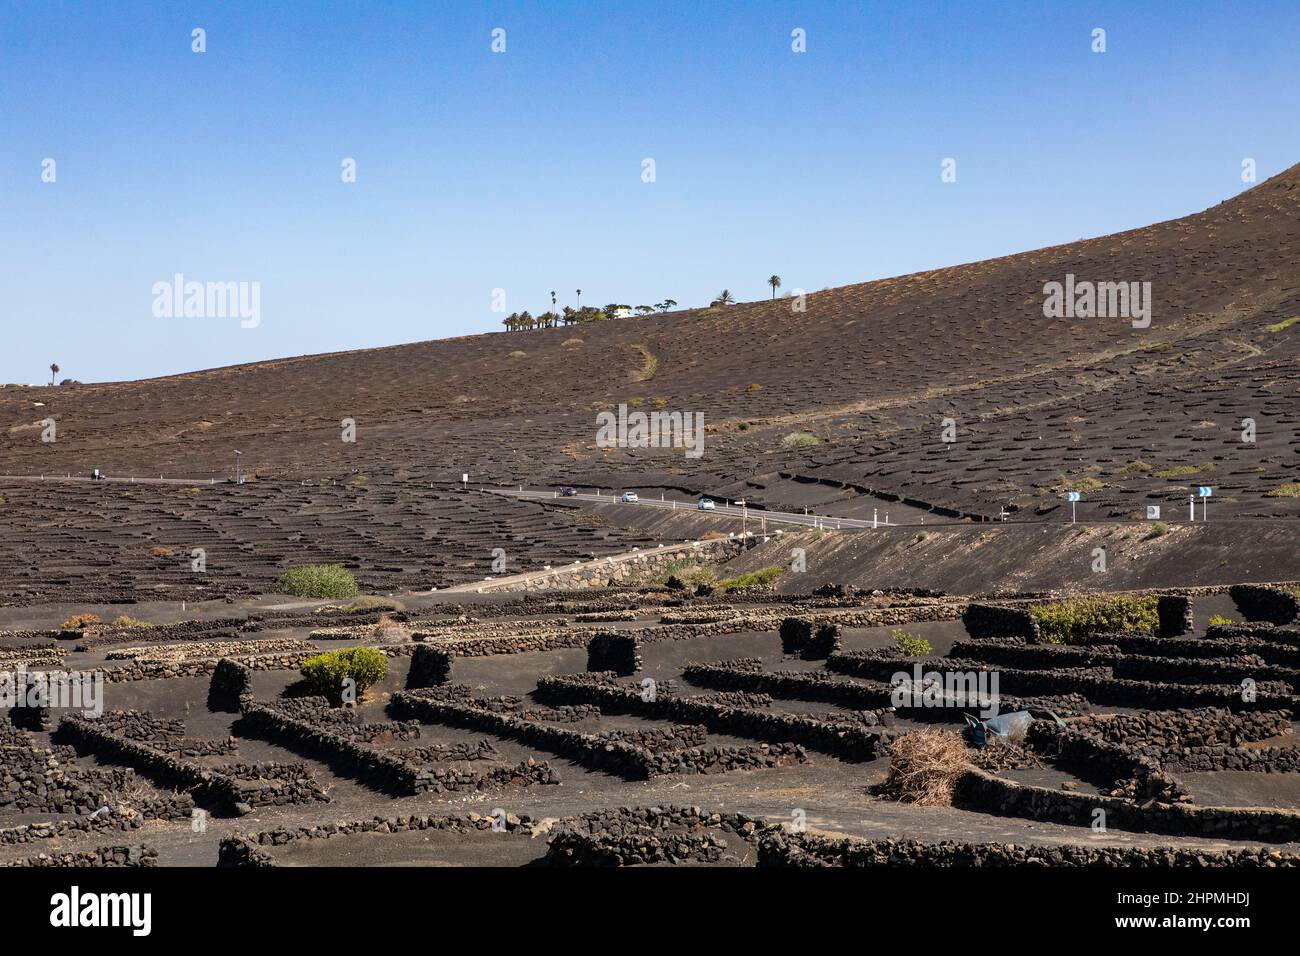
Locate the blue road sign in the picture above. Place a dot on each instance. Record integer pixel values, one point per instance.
(1204, 491)
(1072, 496)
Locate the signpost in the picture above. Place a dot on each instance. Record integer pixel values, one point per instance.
(1204, 492)
(1072, 497)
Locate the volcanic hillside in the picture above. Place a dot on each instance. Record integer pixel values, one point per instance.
(1129, 416)
(870, 369)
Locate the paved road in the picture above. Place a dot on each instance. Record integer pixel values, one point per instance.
(753, 518)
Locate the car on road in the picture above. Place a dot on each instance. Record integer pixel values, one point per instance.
(629, 497)
(568, 491)
(706, 504)
(97, 475)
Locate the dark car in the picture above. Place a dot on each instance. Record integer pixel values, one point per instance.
(568, 491)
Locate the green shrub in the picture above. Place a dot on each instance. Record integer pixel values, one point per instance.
(754, 580)
(1218, 620)
(79, 622)
(1064, 622)
(686, 573)
(124, 620)
(318, 581)
(799, 440)
(1158, 529)
(912, 645)
(326, 673)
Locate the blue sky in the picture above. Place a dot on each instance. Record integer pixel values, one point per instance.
(522, 170)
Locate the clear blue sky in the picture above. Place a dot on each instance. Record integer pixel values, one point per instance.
(522, 170)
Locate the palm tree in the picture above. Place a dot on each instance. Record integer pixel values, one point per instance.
(579, 299)
(724, 298)
(775, 283)
(568, 316)
(526, 320)
(54, 370)
(552, 298)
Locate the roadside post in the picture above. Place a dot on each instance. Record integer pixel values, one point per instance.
(1072, 497)
(1204, 492)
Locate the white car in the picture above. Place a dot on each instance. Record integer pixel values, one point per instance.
(629, 497)
(706, 504)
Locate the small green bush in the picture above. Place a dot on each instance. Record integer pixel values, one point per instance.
(911, 644)
(686, 573)
(326, 673)
(318, 581)
(1158, 529)
(124, 620)
(1064, 622)
(754, 580)
(79, 622)
(1218, 620)
(799, 440)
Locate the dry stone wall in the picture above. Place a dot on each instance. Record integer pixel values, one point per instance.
(1259, 603)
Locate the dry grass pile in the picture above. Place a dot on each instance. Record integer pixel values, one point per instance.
(388, 630)
(924, 766)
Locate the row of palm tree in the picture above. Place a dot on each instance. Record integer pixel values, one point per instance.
(581, 315)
